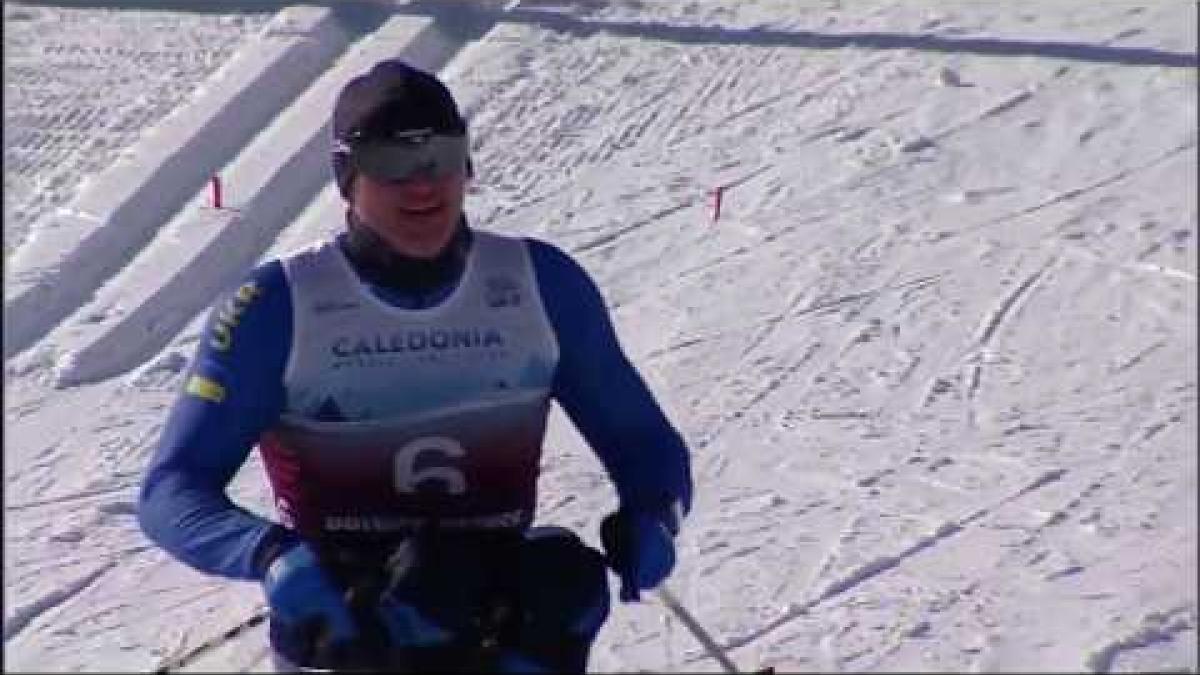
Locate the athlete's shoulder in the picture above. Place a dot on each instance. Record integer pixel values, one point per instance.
(572, 299)
(268, 276)
(553, 264)
(544, 248)
(265, 283)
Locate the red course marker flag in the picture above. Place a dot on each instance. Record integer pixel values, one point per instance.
(216, 192)
(716, 201)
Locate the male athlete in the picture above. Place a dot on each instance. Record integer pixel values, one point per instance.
(397, 380)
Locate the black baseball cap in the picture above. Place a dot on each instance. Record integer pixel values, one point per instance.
(395, 96)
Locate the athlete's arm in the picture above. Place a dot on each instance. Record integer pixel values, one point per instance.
(233, 393)
(604, 395)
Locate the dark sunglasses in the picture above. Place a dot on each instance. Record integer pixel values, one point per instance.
(408, 155)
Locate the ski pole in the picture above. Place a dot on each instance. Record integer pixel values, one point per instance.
(714, 650)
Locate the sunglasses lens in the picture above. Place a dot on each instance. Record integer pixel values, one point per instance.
(401, 159)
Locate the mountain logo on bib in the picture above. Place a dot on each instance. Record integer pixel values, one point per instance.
(329, 411)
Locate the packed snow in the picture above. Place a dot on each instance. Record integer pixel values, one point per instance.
(935, 356)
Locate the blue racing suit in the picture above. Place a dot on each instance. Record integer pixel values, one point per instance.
(238, 395)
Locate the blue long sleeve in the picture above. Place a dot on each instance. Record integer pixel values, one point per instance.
(234, 393)
(603, 394)
(231, 395)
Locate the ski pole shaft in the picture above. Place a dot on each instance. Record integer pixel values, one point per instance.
(714, 650)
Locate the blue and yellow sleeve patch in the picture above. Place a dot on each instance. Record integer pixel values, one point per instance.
(229, 315)
(205, 388)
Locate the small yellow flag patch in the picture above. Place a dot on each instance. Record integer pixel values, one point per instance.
(206, 389)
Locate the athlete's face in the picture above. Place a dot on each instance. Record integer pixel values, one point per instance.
(417, 216)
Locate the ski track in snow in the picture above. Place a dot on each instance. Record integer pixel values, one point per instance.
(930, 359)
(23, 615)
(883, 563)
(1154, 627)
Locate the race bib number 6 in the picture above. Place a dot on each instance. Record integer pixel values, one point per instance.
(448, 478)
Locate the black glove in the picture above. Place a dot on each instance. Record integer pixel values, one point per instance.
(640, 546)
(445, 588)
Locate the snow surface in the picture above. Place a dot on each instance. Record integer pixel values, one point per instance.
(936, 360)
